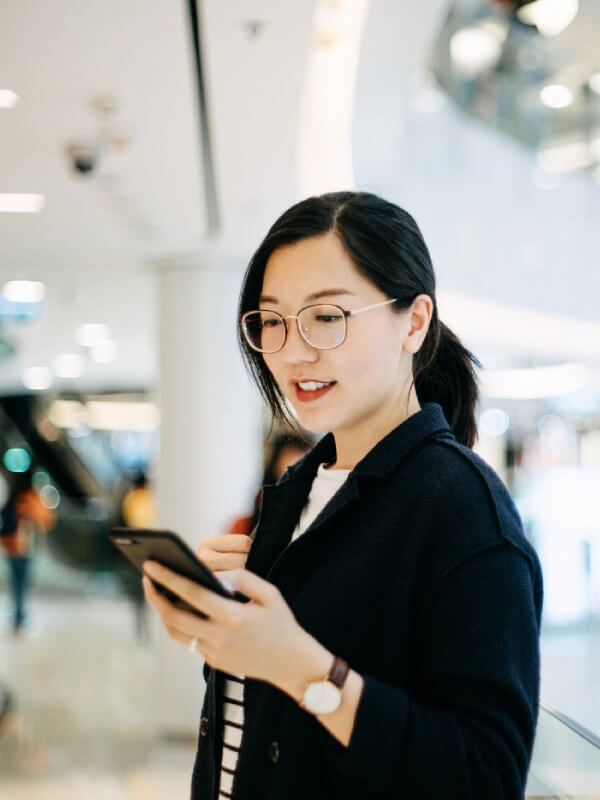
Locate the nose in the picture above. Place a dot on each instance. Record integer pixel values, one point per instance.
(296, 349)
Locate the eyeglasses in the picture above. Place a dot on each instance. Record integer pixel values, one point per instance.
(323, 326)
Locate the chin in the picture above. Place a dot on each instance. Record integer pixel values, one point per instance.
(319, 423)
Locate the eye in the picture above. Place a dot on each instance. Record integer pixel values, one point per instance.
(328, 317)
(271, 323)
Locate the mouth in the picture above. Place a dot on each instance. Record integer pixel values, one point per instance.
(308, 395)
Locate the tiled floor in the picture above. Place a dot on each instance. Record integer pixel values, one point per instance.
(86, 726)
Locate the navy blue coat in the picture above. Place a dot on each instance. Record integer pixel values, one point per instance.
(418, 573)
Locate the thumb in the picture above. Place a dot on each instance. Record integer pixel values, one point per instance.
(249, 584)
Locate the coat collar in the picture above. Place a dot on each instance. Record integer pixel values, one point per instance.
(385, 455)
(282, 502)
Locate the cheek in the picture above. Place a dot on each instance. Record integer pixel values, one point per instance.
(370, 365)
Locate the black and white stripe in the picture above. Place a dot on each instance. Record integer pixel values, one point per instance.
(233, 727)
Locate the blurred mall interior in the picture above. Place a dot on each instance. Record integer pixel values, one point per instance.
(146, 148)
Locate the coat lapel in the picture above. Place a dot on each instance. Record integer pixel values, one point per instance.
(282, 503)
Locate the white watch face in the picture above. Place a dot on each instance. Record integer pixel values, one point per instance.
(322, 697)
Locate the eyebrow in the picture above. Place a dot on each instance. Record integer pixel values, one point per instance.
(265, 298)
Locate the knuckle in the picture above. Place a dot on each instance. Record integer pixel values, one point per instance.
(274, 591)
(233, 621)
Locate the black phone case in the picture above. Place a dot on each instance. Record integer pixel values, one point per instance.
(167, 548)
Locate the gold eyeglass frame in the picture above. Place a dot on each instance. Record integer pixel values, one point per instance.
(285, 317)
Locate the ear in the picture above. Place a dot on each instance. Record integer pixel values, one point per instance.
(419, 314)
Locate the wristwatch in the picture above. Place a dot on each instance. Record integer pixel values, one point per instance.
(324, 696)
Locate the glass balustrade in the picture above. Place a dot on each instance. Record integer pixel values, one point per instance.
(566, 759)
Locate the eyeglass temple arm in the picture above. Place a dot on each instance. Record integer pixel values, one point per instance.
(367, 308)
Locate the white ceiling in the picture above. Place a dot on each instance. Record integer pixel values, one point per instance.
(90, 243)
(493, 233)
(58, 55)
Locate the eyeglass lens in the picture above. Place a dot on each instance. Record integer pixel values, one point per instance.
(322, 326)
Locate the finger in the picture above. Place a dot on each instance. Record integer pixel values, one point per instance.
(251, 585)
(216, 561)
(184, 640)
(217, 607)
(227, 543)
(176, 619)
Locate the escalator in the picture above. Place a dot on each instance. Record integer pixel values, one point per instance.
(90, 484)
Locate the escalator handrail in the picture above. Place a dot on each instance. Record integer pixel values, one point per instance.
(576, 727)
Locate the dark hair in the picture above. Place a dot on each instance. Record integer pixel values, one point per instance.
(388, 249)
(282, 440)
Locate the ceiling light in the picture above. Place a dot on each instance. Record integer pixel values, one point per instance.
(105, 415)
(556, 96)
(536, 382)
(474, 50)
(24, 291)
(68, 365)
(551, 17)
(87, 335)
(8, 98)
(21, 203)
(37, 378)
(67, 413)
(103, 351)
(123, 415)
(594, 82)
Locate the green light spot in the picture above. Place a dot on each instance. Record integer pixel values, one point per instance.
(17, 460)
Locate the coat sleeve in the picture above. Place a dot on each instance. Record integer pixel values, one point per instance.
(466, 730)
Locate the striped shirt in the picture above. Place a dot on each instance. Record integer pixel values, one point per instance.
(324, 486)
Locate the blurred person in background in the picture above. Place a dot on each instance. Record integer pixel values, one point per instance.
(285, 450)
(393, 650)
(23, 516)
(138, 509)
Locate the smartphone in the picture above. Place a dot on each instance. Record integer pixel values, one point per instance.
(169, 549)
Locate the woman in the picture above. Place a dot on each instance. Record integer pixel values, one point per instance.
(391, 648)
(285, 450)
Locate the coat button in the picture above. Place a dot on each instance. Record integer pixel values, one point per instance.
(204, 726)
(274, 752)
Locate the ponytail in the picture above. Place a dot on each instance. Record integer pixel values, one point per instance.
(444, 373)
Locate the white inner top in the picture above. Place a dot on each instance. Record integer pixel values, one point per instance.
(324, 486)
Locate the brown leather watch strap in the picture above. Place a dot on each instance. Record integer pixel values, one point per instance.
(338, 672)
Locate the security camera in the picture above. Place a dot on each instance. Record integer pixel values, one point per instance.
(83, 156)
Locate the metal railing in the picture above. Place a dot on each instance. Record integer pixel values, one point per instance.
(566, 759)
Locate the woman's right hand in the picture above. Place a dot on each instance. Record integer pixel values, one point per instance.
(224, 551)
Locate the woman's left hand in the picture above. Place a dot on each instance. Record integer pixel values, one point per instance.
(253, 639)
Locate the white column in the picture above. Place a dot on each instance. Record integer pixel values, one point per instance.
(210, 439)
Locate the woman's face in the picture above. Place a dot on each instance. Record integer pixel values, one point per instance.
(372, 369)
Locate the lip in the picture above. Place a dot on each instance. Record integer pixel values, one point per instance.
(312, 396)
